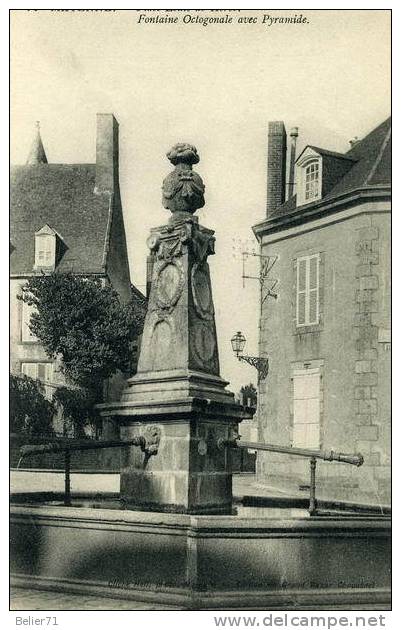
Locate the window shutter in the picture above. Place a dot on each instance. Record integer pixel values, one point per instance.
(49, 372)
(302, 274)
(313, 314)
(27, 311)
(313, 273)
(313, 436)
(307, 310)
(29, 369)
(299, 436)
(48, 378)
(306, 405)
(313, 289)
(301, 291)
(301, 308)
(45, 250)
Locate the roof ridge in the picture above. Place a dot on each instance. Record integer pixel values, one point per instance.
(379, 157)
(106, 245)
(327, 152)
(332, 153)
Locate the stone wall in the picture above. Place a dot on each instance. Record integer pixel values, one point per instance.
(372, 385)
(354, 364)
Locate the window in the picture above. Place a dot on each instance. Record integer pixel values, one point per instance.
(306, 402)
(44, 251)
(45, 247)
(27, 311)
(307, 307)
(40, 372)
(309, 176)
(312, 184)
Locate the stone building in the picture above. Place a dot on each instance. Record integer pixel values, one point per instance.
(65, 217)
(327, 335)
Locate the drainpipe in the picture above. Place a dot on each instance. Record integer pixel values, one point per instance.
(291, 183)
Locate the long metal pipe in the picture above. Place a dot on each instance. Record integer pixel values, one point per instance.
(328, 456)
(68, 448)
(35, 449)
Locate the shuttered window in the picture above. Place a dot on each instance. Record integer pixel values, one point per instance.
(307, 290)
(40, 372)
(306, 405)
(26, 334)
(45, 250)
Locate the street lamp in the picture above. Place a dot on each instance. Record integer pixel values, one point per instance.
(238, 342)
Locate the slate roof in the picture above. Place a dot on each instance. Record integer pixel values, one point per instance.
(60, 195)
(372, 168)
(334, 154)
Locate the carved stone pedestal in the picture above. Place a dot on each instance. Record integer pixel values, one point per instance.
(177, 389)
(189, 474)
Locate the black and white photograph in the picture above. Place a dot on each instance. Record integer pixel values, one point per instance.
(200, 304)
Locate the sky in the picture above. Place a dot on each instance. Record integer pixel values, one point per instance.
(214, 86)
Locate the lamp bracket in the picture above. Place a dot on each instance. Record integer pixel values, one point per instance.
(260, 363)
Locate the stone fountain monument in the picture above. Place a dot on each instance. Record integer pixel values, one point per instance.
(177, 394)
(177, 409)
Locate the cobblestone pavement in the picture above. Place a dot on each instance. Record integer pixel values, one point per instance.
(25, 599)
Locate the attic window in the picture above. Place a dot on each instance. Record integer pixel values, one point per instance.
(45, 248)
(44, 251)
(312, 184)
(309, 176)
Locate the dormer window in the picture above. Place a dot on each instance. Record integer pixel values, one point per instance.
(45, 248)
(318, 171)
(309, 177)
(45, 251)
(312, 181)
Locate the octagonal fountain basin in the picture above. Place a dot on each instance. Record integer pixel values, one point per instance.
(275, 556)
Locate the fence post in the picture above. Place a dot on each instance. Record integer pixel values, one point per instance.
(67, 480)
(312, 497)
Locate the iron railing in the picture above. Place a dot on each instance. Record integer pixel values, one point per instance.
(312, 455)
(148, 443)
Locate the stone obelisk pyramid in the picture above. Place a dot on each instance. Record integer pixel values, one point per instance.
(177, 391)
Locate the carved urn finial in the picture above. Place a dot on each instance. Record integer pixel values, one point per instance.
(183, 188)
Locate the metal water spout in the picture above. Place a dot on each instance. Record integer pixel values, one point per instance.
(313, 455)
(148, 443)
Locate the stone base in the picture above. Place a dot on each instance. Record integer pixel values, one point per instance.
(204, 563)
(170, 387)
(191, 412)
(178, 492)
(189, 473)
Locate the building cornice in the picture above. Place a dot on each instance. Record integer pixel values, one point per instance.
(321, 208)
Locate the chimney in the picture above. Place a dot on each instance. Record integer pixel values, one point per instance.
(106, 154)
(276, 166)
(291, 182)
